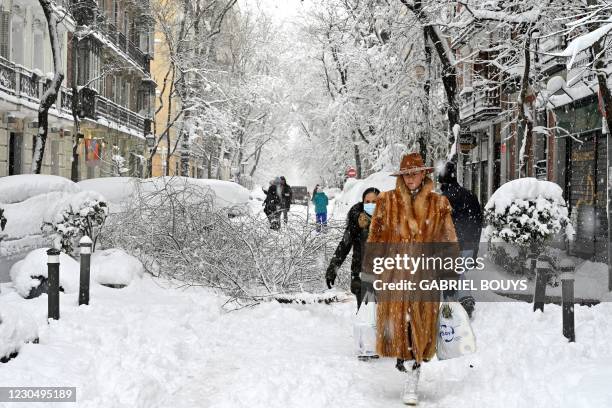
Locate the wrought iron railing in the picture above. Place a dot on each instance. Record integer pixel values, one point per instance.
(127, 46)
(23, 83)
(479, 103)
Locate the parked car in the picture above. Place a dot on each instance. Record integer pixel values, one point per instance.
(300, 195)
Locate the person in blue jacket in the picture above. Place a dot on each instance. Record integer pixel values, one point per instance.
(320, 200)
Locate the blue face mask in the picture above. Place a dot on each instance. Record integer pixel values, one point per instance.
(369, 208)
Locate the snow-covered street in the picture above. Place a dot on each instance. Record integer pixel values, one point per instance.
(153, 346)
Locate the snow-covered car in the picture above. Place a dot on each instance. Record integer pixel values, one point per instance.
(117, 191)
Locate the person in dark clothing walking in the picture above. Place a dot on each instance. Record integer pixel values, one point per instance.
(286, 197)
(355, 237)
(272, 204)
(467, 217)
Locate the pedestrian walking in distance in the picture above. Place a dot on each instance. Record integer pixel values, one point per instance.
(287, 196)
(320, 200)
(467, 217)
(412, 213)
(272, 204)
(355, 236)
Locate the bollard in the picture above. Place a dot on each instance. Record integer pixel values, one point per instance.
(85, 243)
(53, 265)
(542, 273)
(567, 292)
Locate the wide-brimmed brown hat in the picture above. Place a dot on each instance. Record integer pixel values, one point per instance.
(412, 163)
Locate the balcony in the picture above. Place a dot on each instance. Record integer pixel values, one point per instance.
(479, 104)
(26, 85)
(550, 64)
(109, 110)
(124, 44)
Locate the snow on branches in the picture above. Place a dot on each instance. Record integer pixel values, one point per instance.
(527, 212)
(84, 214)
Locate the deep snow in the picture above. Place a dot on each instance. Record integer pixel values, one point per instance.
(152, 346)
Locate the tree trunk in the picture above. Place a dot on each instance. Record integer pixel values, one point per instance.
(525, 118)
(449, 72)
(74, 172)
(50, 95)
(357, 156)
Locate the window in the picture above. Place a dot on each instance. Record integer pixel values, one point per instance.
(102, 7)
(4, 33)
(116, 12)
(38, 61)
(17, 40)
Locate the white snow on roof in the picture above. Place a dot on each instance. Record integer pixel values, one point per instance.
(14, 189)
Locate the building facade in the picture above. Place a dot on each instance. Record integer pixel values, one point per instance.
(567, 147)
(106, 48)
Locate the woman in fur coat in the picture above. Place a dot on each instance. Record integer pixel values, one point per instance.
(412, 213)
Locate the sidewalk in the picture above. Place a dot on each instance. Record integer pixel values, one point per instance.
(150, 346)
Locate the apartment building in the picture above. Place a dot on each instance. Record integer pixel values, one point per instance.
(106, 49)
(568, 147)
(207, 154)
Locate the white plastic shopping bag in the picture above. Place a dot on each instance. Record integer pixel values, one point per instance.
(364, 328)
(455, 335)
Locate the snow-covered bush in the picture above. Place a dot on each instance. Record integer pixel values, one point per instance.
(526, 213)
(2, 220)
(29, 276)
(17, 327)
(178, 232)
(115, 267)
(84, 214)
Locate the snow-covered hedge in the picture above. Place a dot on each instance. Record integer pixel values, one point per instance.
(16, 328)
(527, 212)
(84, 214)
(115, 267)
(28, 274)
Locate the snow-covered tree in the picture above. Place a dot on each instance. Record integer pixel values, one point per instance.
(50, 95)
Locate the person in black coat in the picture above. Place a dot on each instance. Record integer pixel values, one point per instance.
(467, 217)
(286, 197)
(272, 204)
(355, 237)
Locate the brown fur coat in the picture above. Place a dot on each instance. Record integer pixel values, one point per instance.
(401, 218)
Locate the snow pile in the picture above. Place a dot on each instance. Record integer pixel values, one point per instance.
(151, 346)
(117, 191)
(16, 328)
(25, 272)
(115, 267)
(354, 188)
(527, 211)
(332, 192)
(14, 189)
(257, 193)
